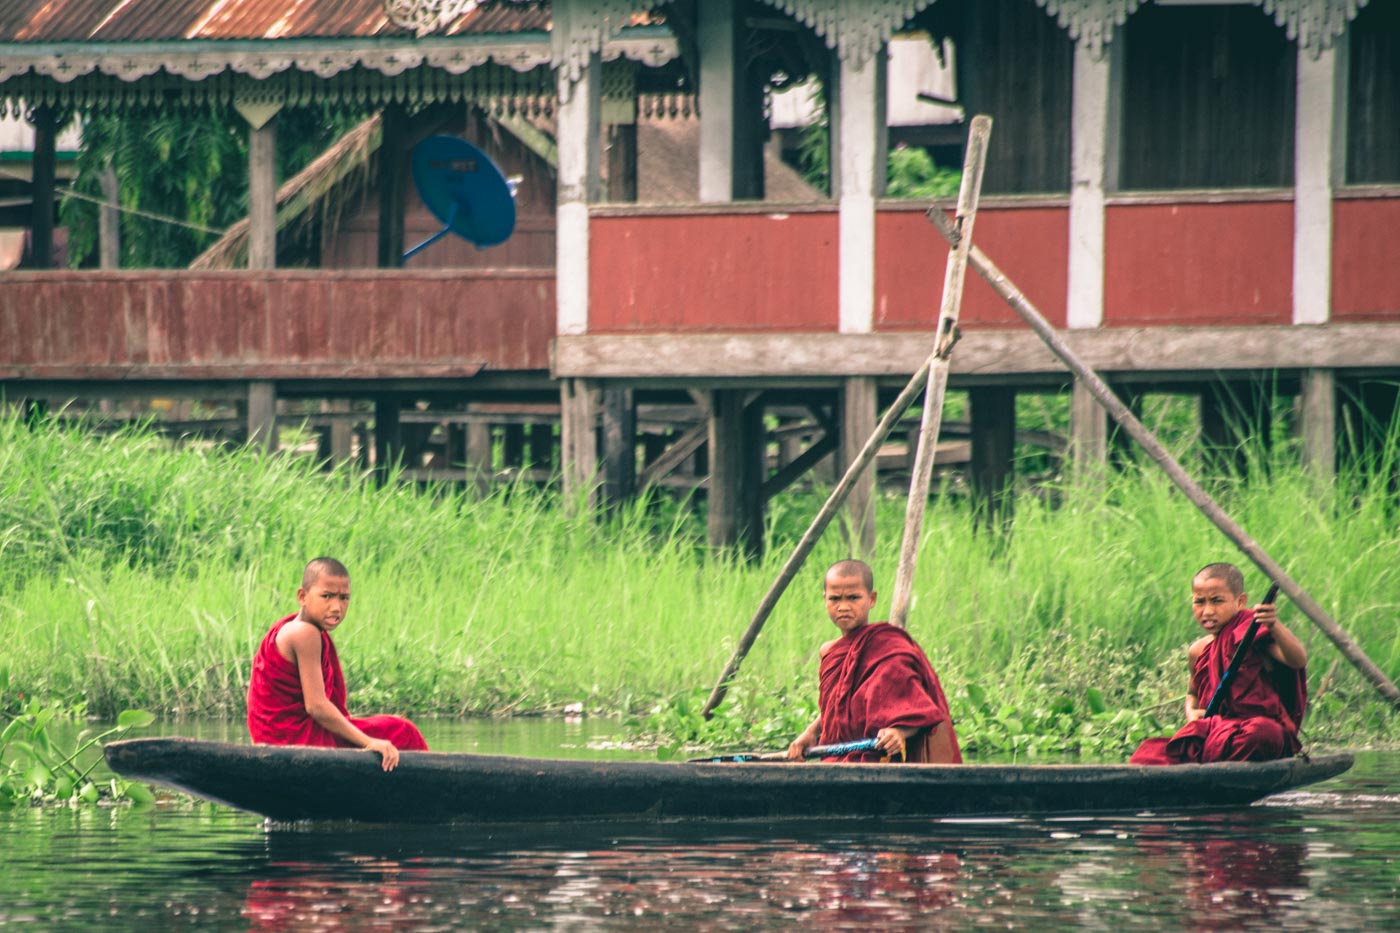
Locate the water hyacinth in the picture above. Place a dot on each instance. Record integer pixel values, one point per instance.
(136, 575)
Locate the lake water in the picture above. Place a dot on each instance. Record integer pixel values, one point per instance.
(1327, 858)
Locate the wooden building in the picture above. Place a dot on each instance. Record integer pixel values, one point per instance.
(1201, 194)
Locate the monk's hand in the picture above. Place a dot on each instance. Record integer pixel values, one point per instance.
(387, 752)
(1266, 614)
(797, 751)
(890, 741)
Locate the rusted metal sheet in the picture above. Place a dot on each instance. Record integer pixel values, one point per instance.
(1366, 259)
(1030, 243)
(41, 21)
(275, 325)
(708, 272)
(1199, 263)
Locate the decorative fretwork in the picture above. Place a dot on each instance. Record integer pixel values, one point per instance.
(856, 29)
(427, 16)
(584, 27)
(1090, 22)
(1313, 24)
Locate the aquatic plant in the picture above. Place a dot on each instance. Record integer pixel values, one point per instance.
(34, 770)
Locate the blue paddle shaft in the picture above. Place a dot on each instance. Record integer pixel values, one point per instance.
(1217, 699)
(842, 748)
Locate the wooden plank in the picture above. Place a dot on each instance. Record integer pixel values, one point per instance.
(416, 369)
(1127, 350)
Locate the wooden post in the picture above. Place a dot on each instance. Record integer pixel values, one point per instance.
(993, 416)
(859, 412)
(622, 162)
(45, 123)
(1088, 435)
(393, 186)
(619, 446)
(717, 42)
(262, 181)
(388, 440)
(109, 229)
(512, 446)
(970, 191)
(262, 415)
(542, 446)
(1193, 492)
(1319, 418)
(479, 456)
(736, 476)
(578, 443)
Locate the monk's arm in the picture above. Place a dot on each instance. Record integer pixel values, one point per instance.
(305, 642)
(1194, 709)
(1285, 648)
(806, 740)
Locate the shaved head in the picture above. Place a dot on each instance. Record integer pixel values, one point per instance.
(1227, 574)
(322, 567)
(851, 569)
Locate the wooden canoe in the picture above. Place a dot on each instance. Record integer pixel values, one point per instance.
(294, 783)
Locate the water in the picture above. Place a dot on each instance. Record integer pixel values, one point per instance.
(1325, 857)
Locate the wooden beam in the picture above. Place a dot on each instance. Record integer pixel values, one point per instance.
(681, 450)
(45, 123)
(859, 413)
(578, 438)
(1120, 350)
(993, 414)
(800, 465)
(262, 415)
(393, 186)
(619, 445)
(735, 513)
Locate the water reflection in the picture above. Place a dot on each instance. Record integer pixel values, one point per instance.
(1325, 858)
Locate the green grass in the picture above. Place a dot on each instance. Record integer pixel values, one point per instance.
(133, 575)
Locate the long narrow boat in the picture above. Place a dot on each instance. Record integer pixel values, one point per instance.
(293, 783)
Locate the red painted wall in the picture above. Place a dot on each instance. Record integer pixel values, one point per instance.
(1366, 259)
(1199, 264)
(362, 320)
(1029, 244)
(713, 272)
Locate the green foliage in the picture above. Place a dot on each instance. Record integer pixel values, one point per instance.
(34, 770)
(913, 174)
(189, 165)
(910, 170)
(137, 575)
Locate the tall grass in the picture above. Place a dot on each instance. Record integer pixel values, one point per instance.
(136, 575)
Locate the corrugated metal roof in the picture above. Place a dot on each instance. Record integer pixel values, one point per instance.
(53, 21)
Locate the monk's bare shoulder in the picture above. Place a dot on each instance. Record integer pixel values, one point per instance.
(1197, 647)
(298, 634)
(827, 647)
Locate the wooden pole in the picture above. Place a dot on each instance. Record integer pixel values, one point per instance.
(814, 531)
(1198, 496)
(973, 163)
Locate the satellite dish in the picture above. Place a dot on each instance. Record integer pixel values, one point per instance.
(465, 190)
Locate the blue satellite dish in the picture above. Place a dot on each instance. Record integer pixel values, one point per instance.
(465, 190)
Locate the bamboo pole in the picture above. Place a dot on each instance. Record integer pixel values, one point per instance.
(974, 161)
(1198, 496)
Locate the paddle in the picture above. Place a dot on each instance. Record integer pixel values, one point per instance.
(816, 751)
(1217, 699)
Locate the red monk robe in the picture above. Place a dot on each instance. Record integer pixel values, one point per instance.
(876, 677)
(277, 715)
(1260, 715)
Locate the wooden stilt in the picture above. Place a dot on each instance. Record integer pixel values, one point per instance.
(578, 440)
(859, 411)
(993, 416)
(1319, 423)
(619, 446)
(1193, 492)
(974, 162)
(262, 415)
(480, 455)
(45, 123)
(388, 439)
(735, 489)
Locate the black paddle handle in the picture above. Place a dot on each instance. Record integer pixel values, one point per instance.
(1217, 699)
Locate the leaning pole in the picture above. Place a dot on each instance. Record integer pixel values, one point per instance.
(1198, 496)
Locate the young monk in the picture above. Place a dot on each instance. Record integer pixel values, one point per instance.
(875, 682)
(297, 694)
(1264, 702)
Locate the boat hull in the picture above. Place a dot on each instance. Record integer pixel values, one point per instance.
(295, 783)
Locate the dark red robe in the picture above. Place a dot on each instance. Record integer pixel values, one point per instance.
(1259, 717)
(875, 677)
(277, 714)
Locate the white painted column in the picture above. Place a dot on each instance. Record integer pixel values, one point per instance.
(579, 129)
(1319, 160)
(859, 181)
(1093, 173)
(262, 181)
(716, 39)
